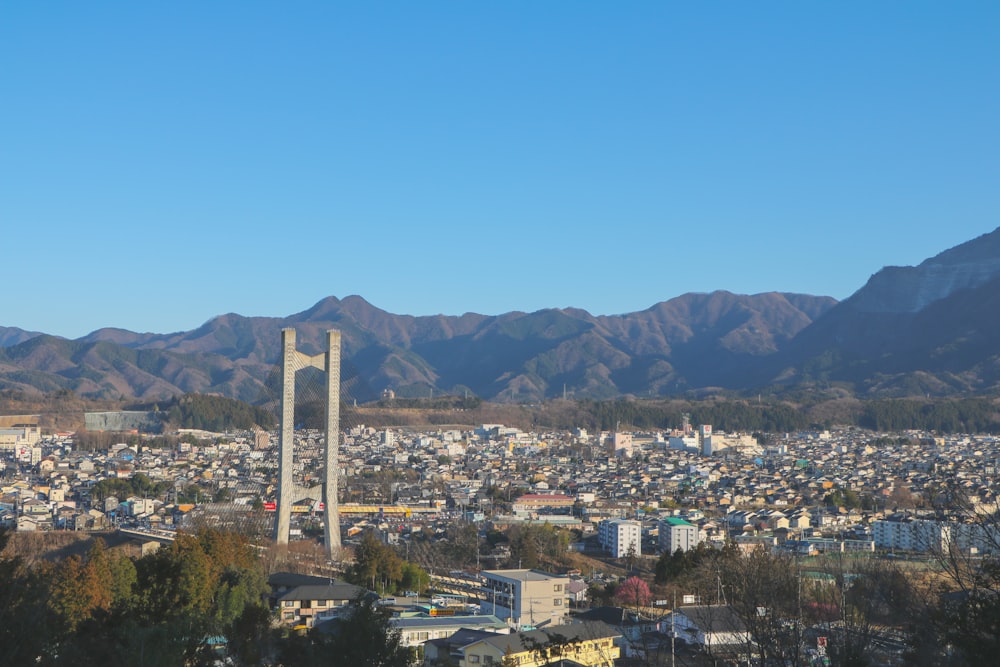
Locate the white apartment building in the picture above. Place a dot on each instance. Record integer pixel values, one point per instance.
(677, 534)
(910, 534)
(926, 535)
(618, 536)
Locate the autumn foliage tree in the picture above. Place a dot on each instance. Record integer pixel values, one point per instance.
(106, 608)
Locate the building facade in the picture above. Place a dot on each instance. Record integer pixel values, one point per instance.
(620, 536)
(588, 644)
(677, 534)
(908, 534)
(525, 597)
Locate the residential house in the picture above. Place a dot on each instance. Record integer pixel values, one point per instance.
(307, 603)
(718, 629)
(589, 644)
(415, 630)
(633, 627)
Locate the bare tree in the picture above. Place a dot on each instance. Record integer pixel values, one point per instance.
(764, 591)
(965, 613)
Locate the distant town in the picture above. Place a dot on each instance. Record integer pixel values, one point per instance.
(630, 502)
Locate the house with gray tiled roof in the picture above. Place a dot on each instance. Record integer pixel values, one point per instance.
(415, 630)
(306, 600)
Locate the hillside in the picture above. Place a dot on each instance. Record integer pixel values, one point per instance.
(693, 341)
(928, 329)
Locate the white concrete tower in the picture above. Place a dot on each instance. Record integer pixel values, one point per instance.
(288, 491)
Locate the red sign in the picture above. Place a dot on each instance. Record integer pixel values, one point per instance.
(270, 507)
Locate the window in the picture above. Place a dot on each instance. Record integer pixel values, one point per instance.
(288, 615)
(488, 659)
(557, 602)
(288, 603)
(474, 659)
(557, 588)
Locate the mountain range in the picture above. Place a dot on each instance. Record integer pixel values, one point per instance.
(927, 329)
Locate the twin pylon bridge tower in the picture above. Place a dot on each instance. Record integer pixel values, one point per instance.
(288, 491)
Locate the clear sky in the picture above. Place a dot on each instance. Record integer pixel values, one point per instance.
(162, 163)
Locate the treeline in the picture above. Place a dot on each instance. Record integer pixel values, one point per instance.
(106, 608)
(963, 415)
(200, 601)
(969, 415)
(732, 415)
(442, 402)
(216, 413)
(774, 415)
(957, 415)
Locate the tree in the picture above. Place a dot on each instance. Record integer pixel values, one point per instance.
(368, 639)
(463, 544)
(963, 610)
(630, 557)
(763, 590)
(23, 610)
(364, 638)
(633, 593)
(869, 594)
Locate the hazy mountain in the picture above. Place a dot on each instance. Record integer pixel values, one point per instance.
(923, 329)
(12, 336)
(910, 289)
(692, 341)
(909, 330)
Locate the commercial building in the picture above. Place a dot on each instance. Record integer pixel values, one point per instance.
(19, 431)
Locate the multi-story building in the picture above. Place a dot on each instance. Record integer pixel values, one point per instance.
(543, 503)
(19, 431)
(620, 536)
(677, 534)
(620, 444)
(928, 535)
(908, 534)
(525, 597)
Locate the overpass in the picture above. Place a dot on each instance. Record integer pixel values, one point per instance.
(149, 534)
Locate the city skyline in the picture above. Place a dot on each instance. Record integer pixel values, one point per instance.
(162, 165)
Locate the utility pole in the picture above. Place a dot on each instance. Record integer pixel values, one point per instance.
(673, 633)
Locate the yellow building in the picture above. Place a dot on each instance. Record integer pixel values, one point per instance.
(590, 644)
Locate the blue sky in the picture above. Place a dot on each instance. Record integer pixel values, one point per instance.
(163, 163)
